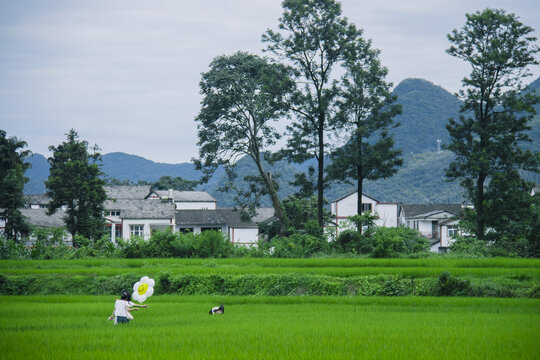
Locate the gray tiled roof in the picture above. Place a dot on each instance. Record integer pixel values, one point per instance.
(36, 199)
(187, 196)
(141, 209)
(414, 210)
(217, 217)
(132, 192)
(263, 214)
(39, 218)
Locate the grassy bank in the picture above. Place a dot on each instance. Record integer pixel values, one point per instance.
(278, 277)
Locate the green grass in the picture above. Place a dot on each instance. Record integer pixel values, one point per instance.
(178, 327)
(242, 266)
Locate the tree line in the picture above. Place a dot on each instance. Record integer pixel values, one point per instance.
(327, 81)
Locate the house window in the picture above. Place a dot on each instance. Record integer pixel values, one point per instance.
(113, 213)
(452, 231)
(366, 207)
(136, 230)
(186, 230)
(210, 229)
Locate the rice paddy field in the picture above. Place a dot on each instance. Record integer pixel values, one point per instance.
(342, 267)
(179, 327)
(67, 326)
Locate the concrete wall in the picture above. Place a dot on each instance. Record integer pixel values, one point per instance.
(126, 226)
(388, 214)
(244, 236)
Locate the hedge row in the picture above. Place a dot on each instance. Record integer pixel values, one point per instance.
(275, 285)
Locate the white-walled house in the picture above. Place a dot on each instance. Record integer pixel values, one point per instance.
(427, 218)
(447, 230)
(127, 218)
(194, 211)
(186, 200)
(137, 210)
(387, 213)
(228, 221)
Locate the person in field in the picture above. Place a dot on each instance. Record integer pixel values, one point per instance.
(123, 308)
(132, 305)
(217, 310)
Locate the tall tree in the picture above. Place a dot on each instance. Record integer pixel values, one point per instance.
(74, 181)
(494, 118)
(243, 95)
(12, 180)
(312, 35)
(366, 111)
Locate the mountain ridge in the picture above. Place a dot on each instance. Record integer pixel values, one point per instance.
(426, 110)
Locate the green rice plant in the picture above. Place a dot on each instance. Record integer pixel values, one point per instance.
(174, 327)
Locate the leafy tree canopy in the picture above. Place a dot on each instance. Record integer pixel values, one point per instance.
(75, 181)
(12, 180)
(488, 138)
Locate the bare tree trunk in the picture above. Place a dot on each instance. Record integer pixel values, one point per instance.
(278, 210)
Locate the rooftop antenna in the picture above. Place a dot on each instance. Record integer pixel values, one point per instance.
(439, 145)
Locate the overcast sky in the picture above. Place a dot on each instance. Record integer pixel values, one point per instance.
(125, 74)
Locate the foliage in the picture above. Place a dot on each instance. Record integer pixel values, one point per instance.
(74, 181)
(243, 95)
(365, 117)
(468, 245)
(165, 182)
(449, 285)
(187, 282)
(510, 212)
(10, 249)
(176, 183)
(164, 244)
(312, 36)
(351, 241)
(488, 137)
(296, 246)
(12, 180)
(391, 242)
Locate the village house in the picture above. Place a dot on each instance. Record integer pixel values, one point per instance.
(228, 221)
(387, 213)
(137, 210)
(433, 221)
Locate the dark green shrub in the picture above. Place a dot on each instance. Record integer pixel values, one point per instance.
(184, 245)
(449, 285)
(348, 241)
(134, 248)
(393, 242)
(212, 244)
(468, 245)
(393, 286)
(161, 243)
(297, 246)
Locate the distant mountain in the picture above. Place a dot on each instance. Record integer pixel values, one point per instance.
(426, 109)
(123, 166)
(37, 174)
(116, 165)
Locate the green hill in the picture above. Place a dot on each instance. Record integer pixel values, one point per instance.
(426, 110)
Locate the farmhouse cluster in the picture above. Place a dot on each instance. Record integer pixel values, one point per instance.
(139, 210)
